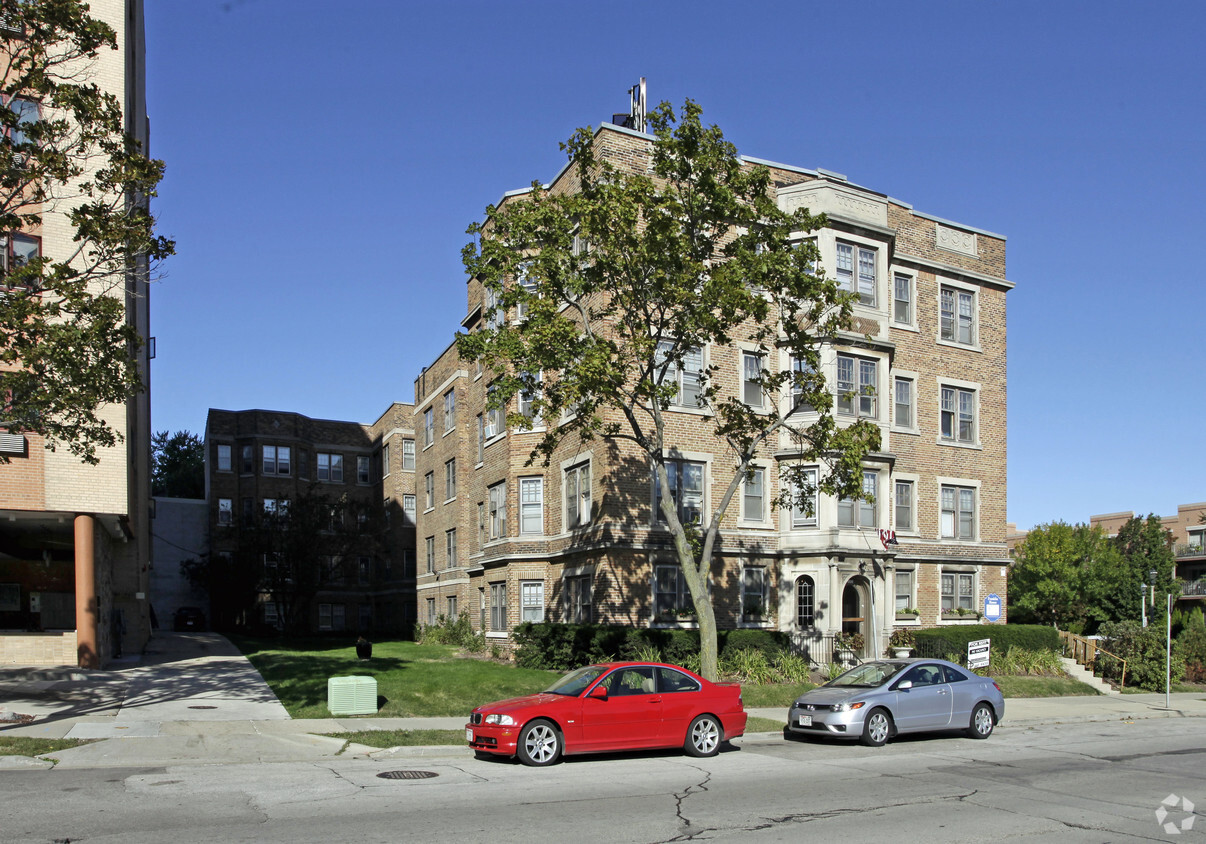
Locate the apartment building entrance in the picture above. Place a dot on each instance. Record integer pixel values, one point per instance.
(855, 600)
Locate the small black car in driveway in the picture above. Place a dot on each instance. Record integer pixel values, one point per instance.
(189, 618)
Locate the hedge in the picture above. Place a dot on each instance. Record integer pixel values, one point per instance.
(562, 647)
(953, 639)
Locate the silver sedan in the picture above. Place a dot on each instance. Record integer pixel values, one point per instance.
(877, 700)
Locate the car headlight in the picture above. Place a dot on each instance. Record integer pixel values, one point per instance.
(503, 720)
(847, 706)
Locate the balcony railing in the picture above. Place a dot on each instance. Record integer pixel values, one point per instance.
(1194, 588)
(1189, 550)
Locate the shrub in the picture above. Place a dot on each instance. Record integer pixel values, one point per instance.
(1192, 646)
(939, 641)
(791, 667)
(769, 642)
(749, 665)
(1143, 648)
(451, 631)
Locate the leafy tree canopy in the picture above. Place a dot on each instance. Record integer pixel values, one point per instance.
(177, 465)
(66, 348)
(623, 279)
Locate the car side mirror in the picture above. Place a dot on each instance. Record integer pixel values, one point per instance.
(904, 685)
(599, 692)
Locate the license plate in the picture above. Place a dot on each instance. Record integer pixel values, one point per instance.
(468, 735)
(805, 720)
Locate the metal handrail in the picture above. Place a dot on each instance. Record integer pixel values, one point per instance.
(1085, 651)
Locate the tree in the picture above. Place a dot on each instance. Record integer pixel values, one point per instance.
(177, 465)
(1056, 575)
(1143, 544)
(622, 280)
(66, 346)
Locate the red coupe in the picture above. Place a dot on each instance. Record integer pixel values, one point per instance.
(617, 706)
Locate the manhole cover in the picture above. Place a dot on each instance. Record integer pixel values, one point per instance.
(407, 775)
(203, 707)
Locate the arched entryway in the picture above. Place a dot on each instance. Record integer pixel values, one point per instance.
(855, 609)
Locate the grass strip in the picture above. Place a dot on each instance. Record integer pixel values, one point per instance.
(32, 746)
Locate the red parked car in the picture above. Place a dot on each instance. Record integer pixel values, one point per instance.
(616, 706)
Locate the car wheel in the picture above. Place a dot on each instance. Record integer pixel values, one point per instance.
(703, 737)
(877, 728)
(539, 744)
(982, 722)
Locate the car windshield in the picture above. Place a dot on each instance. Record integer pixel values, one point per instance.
(867, 675)
(575, 682)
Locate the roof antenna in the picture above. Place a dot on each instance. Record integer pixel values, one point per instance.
(635, 119)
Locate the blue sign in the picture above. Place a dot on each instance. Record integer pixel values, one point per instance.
(992, 607)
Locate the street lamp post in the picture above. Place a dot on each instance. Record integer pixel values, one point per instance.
(1151, 576)
(1168, 652)
(1143, 602)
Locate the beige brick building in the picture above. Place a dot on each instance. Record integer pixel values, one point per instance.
(580, 541)
(75, 538)
(258, 461)
(1188, 531)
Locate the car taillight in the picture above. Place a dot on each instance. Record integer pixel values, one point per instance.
(998, 688)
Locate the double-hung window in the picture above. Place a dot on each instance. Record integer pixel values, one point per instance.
(528, 397)
(408, 455)
(450, 480)
(429, 546)
(385, 461)
(904, 589)
(686, 491)
(751, 379)
(449, 410)
(957, 316)
(578, 594)
(450, 548)
(861, 513)
(958, 415)
(802, 372)
(958, 591)
(527, 284)
(276, 460)
(903, 402)
(856, 271)
(804, 508)
(225, 511)
(531, 505)
(494, 416)
(856, 386)
(577, 496)
(902, 299)
(246, 459)
(753, 498)
(497, 510)
(670, 593)
(408, 507)
(428, 426)
(362, 469)
(753, 593)
(330, 467)
(958, 512)
(223, 458)
(904, 506)
(429, 488)
(498, 607)
(531, 600)
(687, 376)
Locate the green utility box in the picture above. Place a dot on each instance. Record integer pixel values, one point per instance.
(352, 695)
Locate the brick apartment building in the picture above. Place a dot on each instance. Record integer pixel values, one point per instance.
(258, 461)
(580, 540)
(1188, 532)
(74, 538)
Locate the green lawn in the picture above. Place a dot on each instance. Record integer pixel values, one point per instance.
(412, 680)
(29, 746)
(1022, 686)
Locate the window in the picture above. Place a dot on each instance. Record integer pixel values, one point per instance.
(225, 511)
(365, 617)
(494, 416)
(753, 496)
(903, 408)
(27, 112)
(527, 397)
(670, 594)
(528, 285)
(904, 589)
(958, 415)
(671, 681)
(498, 606)
(450, 480)
(492, 309)
(408, 507)
(452, 607)
(578, 591)
(856, 381)
(303, 465)
(958, 512)
(864, 282)
(902, 299)
(498, 510)
(802, 372)
(531, 505)
(958, 591)
(577, 496)
(248, 510)
(324, 617)
(223, 458)
(428, 427)
(17, 250)
(806, 604)
(483, 607)
(751, 379)
(957, 316)
(531, 600)
(861, 513)
(429, 486)
(408, 455)
(450, 547)
(272, 616)
(276, 459)
(804, 512)
(449, 410)
(904, 506)
(481, 524)
(687, 377)
(247, 459)
(364, 570)
(362, 469)
(753, 593)
(385, 460)
(430, 543)
(686, 491)
(330, 467)
(431, 612)
(276, 506)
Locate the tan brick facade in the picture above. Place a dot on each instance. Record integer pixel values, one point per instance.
(946, 343)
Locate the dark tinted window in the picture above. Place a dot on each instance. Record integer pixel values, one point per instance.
(953, 675)
(925, 675)
(676, 681)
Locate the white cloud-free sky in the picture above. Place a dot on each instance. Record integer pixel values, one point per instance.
(324, 160)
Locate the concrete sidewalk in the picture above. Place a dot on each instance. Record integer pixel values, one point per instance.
(194, 699)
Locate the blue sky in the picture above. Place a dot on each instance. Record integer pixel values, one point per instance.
(324, 160)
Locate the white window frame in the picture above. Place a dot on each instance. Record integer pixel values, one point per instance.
(951, 528)
(797, 518)
(280, 460)
(224, 457)
(449, 411)
(958, 405)
(579, 597)
(854, 395)
(497, 511)
(410, 505)
(852, 278)
(329, 467)
(685, 376)
(450, 553)
(531, 600)
(958, 325)
(961, 595)
(428, 427)
(385, 460)
(908, 381)
(907, 282)
(363, 469)
(429, 489)
(577, 480)
(225, 511)
(907, 590)
(526, 399)
(408, 455)
(498, 607)
(806, 620)
(910, 482)
(531, 506)
(495, 418)
(674, 469)
(754, 495)
(449, 479)
(753, 364)
(863, 514)
(429, 547)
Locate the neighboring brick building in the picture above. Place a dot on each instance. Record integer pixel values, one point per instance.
(257, 461)
(1188, 531)
(75, 548)
(580, 540)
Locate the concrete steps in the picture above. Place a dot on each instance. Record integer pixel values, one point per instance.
(1078, 672)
